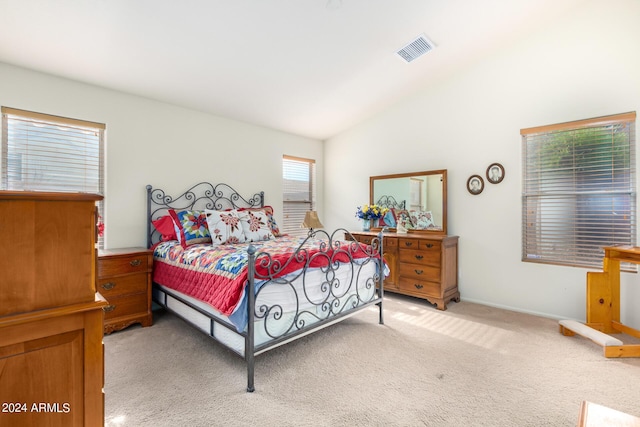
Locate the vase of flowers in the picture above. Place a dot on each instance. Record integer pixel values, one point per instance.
(367, 213)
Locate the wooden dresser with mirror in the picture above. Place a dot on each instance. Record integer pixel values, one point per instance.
(424, 261)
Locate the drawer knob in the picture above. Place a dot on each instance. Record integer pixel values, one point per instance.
(429, 245)
(408, 243)
(418, 271)
(135, 263)
(418, 286)
(419, 257)
(108, 286)
(108, 308)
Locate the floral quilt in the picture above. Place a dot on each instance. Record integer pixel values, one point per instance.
(217, 274)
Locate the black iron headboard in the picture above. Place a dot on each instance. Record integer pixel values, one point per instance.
(199, 197)
(390, 202)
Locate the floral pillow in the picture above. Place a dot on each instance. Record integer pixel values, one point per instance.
(422, 219)
(255, 225)
(404, 218)
(272, 222)
(191, 227)
(225, 227)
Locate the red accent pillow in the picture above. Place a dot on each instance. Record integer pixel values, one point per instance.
(166, 228)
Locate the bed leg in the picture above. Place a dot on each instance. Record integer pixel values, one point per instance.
(380, 273)
(249, 354)
(250, 387)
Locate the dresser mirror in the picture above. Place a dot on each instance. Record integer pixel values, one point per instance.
(423, 195)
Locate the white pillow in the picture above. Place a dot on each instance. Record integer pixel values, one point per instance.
(255, 225)
(224, 227)
(422, 219)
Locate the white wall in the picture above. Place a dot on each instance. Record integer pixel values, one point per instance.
(584, 65)
(169, 147)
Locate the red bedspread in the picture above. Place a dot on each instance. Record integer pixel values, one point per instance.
(217, 274)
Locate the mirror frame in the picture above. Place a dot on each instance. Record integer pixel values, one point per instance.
(442, 172)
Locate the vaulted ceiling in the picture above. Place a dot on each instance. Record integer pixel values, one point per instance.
(309, 67)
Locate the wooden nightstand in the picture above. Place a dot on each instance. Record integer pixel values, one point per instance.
(124, 279)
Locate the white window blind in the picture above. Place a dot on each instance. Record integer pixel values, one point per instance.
(579, 190)
(298, 176)
(41, 152)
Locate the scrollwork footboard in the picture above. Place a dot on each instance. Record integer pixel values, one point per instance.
(328, 277)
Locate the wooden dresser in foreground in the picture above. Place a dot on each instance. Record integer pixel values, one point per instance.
(51, 352)
(421, 265)
(124, 279)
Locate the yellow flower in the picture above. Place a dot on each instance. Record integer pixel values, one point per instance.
(371, 212)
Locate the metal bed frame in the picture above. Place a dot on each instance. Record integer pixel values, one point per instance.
(327, 311)
(390, 202)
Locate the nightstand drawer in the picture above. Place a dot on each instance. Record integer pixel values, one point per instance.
(122, 265)
(124, 279)
(124, 306)
(122, 285)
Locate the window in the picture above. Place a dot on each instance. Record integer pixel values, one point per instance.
(41, 152)
(579, 190)
(299, 192)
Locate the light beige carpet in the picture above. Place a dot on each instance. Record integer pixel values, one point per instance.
(471, 365)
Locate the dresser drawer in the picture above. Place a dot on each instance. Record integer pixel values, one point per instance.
(122, 265)
(390, 242)
(420, 257)
(124, 306)
(420, 272)
(364, 239)
(424, 245)
(122, 285)
(413, 286)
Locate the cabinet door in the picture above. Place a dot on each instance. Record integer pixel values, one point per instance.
(390, 254)
(52, 370)
(43, 381)
(47, 258)
(391, 257)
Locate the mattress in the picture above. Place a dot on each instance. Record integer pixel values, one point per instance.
(295, 301)
(218, 274)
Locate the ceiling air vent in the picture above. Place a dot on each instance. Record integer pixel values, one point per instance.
(416, 48)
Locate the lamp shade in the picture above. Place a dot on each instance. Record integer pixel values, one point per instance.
(311, 220)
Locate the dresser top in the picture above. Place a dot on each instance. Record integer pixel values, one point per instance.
(47, 196)
(418, 236)
(122, 251)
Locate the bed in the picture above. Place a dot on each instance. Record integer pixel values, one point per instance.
(253, 296)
